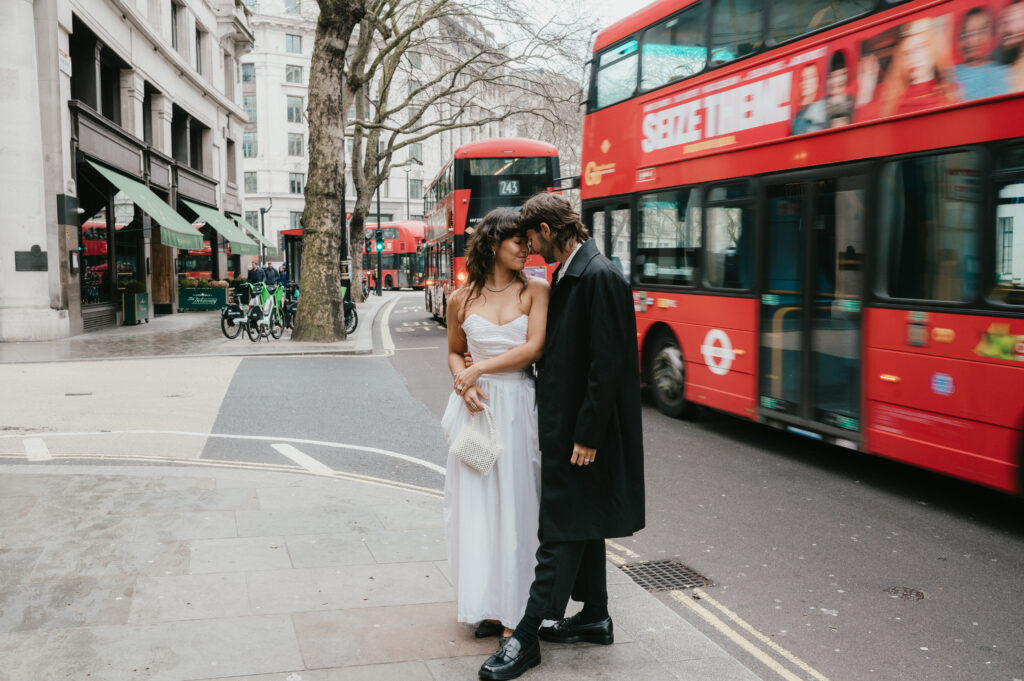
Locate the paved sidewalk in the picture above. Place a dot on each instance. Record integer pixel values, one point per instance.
(178, 574)
(193, 334)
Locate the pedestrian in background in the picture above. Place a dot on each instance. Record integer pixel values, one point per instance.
(272, 275)
(256, 274)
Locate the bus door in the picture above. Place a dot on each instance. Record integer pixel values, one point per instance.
(810, 312)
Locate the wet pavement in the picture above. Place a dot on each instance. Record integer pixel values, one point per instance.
(192, 334)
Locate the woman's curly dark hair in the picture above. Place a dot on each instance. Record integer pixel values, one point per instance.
(498, 226)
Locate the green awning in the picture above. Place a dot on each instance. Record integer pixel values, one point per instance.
(174, 230)
(240, 243)
(246, 227)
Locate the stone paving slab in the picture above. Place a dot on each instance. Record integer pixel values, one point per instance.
(110, 574)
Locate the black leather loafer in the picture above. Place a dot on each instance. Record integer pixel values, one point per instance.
(511, 660)
(485, 629)
(571, 630)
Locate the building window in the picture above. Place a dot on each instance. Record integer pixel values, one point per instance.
(252, 217)
(249, 106)
(415, 60)
(294, 109)
(416, 151)
(291, 6)
(293, 43)
(295, 144)
(348, 146)
(295, 219)
(229, 150)
(293, 74)
(248, 73)
(249, 148)
(175, 18)
(199, 51)
(296, 181)
(251, 186)
(415, 189)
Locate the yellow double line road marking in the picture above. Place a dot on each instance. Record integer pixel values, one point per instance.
(613, 551)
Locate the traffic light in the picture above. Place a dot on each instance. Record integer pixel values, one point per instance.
(379, 245)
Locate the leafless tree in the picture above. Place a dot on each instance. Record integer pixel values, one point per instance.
(410, 70)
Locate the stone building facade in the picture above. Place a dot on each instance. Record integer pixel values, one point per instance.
(103, 97)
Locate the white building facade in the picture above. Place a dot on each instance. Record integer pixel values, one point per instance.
(104, 97)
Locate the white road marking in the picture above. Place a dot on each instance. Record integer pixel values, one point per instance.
(304, 460)
(36, 450)
(431, 347)
(734, 636)
(743, 624)
(385, 329)
(261, 438)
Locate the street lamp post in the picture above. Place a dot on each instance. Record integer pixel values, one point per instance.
(263, 230)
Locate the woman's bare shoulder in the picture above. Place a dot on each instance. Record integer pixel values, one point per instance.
(537, 285)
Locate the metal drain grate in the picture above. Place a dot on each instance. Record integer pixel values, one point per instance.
(665, 575)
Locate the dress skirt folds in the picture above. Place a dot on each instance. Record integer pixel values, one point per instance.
(491, 521)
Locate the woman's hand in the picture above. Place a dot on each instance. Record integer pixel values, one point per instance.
(474, 399)
(466, 378)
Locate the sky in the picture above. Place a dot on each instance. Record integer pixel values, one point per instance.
(610, 11)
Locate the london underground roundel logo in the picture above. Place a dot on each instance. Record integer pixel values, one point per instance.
(717, 351)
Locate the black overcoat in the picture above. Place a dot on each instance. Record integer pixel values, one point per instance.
(588, 392)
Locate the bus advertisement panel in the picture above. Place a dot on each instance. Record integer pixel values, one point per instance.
(481, 176)
(822, 218)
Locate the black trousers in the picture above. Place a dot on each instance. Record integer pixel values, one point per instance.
(564, 569)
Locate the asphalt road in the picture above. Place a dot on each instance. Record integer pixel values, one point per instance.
(804, 541)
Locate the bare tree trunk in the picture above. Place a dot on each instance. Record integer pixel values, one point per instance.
(321, 316)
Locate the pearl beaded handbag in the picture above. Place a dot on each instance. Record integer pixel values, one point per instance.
(477, 450)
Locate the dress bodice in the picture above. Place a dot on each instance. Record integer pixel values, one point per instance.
(487, 339)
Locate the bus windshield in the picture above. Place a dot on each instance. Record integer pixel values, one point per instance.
(495, 182)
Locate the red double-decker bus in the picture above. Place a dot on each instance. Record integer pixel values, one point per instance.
(820, 208)
(479, 177)
(402, 263)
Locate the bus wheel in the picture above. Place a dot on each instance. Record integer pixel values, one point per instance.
(668, 377)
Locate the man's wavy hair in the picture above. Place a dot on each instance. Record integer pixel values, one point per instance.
(557, 212)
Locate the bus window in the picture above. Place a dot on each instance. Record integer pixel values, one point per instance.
(729, 246)
(797, 17)
(928, 217)
(735, 30)
(620, 232)
(669, 238)
(674, 49)
(595, 223)
(616, 74)
(1008, 284)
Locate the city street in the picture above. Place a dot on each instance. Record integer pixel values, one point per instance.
(804, 541)
(818, 557)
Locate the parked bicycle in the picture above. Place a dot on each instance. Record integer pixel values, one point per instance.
(265, 319)
(234, 317)
(291, 306)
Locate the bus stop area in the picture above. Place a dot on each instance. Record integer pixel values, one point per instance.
(192, 334)
(173, 573)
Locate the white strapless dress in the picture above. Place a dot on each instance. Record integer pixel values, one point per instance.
(491, 521)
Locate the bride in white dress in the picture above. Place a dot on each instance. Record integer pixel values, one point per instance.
(491, 521)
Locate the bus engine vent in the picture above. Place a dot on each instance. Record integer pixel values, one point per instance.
(665, 575)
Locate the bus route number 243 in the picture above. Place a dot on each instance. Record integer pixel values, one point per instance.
(508, 187)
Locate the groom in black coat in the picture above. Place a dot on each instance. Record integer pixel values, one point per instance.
(588, 409)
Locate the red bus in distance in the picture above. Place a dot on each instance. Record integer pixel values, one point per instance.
(821, 213)
(479, 177)
(402, 263)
